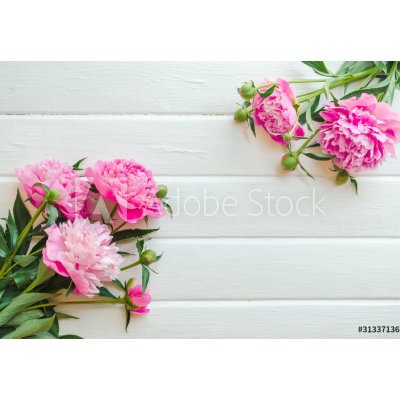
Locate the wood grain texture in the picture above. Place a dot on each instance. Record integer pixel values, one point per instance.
(242, 319)
(168, 145)
(262, 269)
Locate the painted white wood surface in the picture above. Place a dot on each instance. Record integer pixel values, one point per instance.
(242, 276)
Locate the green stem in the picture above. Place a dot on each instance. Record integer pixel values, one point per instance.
(307, 80)
(305, 144)
(119, 227)
(340, 82)
(23, 259)
(114, 210)
(131, 265)
(110, 301)
(22, 236)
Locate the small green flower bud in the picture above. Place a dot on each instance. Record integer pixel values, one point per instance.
(287, 137)
(52, 196)
(289, 162)
(130, 283)
(240, 115)
(342, 178)
(247, 91)
(148, 257)
(162, 192)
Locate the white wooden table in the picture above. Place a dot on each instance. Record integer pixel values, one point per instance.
(221, 276)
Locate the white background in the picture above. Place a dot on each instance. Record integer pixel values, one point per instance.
(271, 276)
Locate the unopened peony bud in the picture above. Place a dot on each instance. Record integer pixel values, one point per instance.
(130, 283)
(287, 137)
(52, 195)
(289, 162)
(148, 257)
(247, 91)
(240, 115)
(162, 192)
(342, 178)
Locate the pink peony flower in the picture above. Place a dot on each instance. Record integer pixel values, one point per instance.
(130, 185)
(360, 133)
(56, 175)
(84, 252)
(276, 114)
(135, 294)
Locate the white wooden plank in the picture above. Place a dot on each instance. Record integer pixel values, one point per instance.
(234, 269)
(271, 207)
(274, 319)
(133, 87)
(169, 145)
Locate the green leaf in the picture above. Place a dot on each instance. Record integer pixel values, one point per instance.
(119, 284)
(70, 289)
(354, 184)
(21, 217)
(61, 315)
(43, 274)
(267, 93)
(43, 335)
(76, 166)
(24, 261)
(104, 292)
(381, 65)
(11, 232)
(316, 144)
(168, 208)
(25, 316)
(128, 318)
(250, 121)
(319, 67)
(31, 327)
(132, 233)
(52, 214)
(305, 171)
(345, 67)
(319, 156)
(42, 185)
(4, 250)
(70, 337)
(20, 303)
(140, 246)
(145, 278)
(24, 276)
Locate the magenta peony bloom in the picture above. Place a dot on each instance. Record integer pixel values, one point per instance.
(135, 294)
(130, 185)
(84, 252)
(276, 114)
(56, 175)
(360, 133)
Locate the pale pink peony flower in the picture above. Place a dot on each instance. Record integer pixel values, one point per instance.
(360, 133)
(56, 175)
(135, 295)
(84, 252)
(130, 185)
(277, 114)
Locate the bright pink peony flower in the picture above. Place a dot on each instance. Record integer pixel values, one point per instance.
(135, 294)
(56, 175)
(276, 114)
(84, 252)
(360, 133)
(130, 185)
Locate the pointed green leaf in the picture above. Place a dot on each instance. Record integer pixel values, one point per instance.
(44, 273)
(76, 166)
(145, 278)
(52, 215)
(25, 316)
(140, 246)
(20, 303)
(21, 217)
(319, 156)
(104, 292)
(30, 328)
(132, 233)
(70, 337)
